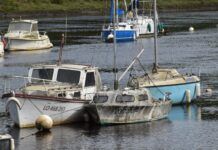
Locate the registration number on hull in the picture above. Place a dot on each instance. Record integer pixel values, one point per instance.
(54, 108)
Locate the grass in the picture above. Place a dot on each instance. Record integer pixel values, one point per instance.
(12, 6)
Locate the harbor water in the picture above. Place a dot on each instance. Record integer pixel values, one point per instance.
(188, 52)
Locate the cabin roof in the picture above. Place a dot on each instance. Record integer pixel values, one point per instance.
(5, 136)
(26, 21)
(67, 66)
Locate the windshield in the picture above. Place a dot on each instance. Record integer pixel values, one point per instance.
(69, 76)
(42, 74)
(19, 26)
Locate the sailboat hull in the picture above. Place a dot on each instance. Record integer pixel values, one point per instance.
(121, 35)
(178, 92)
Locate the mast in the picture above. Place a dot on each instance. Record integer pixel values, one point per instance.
(115, 24)
(60, 51)
(155, 38)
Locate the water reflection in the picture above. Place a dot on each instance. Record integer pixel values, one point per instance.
(185, 112)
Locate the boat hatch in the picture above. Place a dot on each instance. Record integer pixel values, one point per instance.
(68, 76)
(19, 26)
(125, 98)
(44, 73)
(100, 98)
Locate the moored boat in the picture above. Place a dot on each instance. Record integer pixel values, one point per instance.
(59, 91)
(24, 35)
(124, 31)
(126, 106)
(159, 81)
(142, 23)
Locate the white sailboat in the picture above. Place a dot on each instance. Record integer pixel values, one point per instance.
(143, 24)
(183, 88)
(24, 35)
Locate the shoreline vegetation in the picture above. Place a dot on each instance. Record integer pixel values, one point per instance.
(80, 7)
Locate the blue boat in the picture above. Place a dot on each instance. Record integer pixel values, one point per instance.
(124, 31)
(169, 83)
(164, 83)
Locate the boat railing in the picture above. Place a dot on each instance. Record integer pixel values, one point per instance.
(20, 82)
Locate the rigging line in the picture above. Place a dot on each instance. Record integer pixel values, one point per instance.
(34, 133)
(149, 77)
(36, 107)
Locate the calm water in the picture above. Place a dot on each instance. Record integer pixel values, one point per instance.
(195, 52)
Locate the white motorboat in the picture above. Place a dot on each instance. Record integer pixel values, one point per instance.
(126, 106)
(59, 91)
(24, 35)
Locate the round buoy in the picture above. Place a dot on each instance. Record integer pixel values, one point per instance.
(44, 122)
(191, 29)
(209, 91)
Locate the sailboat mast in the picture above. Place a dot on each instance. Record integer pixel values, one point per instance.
(115, 24)
(155, 37)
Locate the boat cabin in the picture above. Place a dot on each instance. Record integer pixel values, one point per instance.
(6, 142)
(85, 80)
(122, 97)
(23, 26)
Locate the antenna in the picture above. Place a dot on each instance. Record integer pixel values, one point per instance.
(60, 51)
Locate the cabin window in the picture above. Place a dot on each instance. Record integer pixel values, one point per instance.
(125, 98)
(5, 144)
(90, 79)
(68, 76)
(35, 27)
(42, 74)
(19, 26)
(100, 98)
(143, 97)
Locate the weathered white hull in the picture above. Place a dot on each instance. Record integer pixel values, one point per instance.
(106, 114)
(24, 111)
(161, 110)
(16, 44)
(122, 114)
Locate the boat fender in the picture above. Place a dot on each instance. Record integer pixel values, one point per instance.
(110, 36)
(149, 27)
(44, 123)
(12, 99)
(198, 90)
(188, 96)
